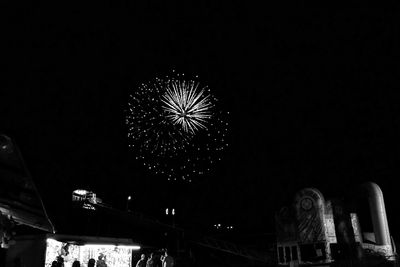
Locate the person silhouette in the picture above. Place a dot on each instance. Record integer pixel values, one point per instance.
(142, 261)
(101, 261)
(167, 260)
(151, 261)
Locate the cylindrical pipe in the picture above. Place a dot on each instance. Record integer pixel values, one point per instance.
(378, 213)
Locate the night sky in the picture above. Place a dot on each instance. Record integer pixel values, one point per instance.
(312, 96)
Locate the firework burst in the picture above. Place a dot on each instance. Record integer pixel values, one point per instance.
(186, 106)
(174, 127)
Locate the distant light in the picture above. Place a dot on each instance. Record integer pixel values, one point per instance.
(5, 144)
(80, 192)
(166, 211)
(173, 211)
(129, 197)
(88, 206)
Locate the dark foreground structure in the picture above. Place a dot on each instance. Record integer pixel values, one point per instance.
(314, 231)
(90, 229)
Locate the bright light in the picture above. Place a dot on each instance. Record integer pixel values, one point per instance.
(166, 211)
(118, 254)
(99, 246)
(112, 246)
(133, 247)
(129, 197)
(51, 240)
(173, 211)
(129, 247)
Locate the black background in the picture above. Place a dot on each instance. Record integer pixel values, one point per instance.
(312, 96)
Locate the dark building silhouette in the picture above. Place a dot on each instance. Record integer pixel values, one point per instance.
(316, 230)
